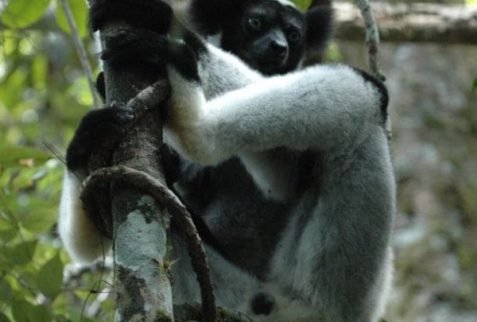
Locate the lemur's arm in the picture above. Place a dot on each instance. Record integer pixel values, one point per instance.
(220, 72)
(323, 108)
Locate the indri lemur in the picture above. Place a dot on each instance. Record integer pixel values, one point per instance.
(290, 175)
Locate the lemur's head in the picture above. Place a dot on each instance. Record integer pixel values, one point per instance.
(271, 36)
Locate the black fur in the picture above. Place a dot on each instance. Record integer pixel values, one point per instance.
(97, 133)
(155, 15)
(218, 187)
(142, 46)
(257, 46)
(101, 85)
(382, 90)
(135, 45)
(276, 48)
(319, 27)
(262, 304)
(209, 16)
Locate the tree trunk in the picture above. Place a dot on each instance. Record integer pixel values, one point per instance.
(142, 286)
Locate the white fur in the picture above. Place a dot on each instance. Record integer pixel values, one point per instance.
(80, 237)
(306, 110)
(215, 39)
(216, 68)
(287, 3)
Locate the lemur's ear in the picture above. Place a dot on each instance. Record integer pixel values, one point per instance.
(209, 16)
(319, 26)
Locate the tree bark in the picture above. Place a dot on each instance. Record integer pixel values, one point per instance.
(143, 290)
(139, 226)
(449, 24)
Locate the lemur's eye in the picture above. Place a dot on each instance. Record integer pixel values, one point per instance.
(293, 35)
(254, 23)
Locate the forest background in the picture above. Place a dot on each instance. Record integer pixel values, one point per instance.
(44, 93)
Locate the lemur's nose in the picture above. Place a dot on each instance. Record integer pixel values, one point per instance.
(280, 48)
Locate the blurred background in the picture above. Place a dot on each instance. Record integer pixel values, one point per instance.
(429, 57)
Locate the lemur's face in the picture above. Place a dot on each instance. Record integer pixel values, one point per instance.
(269, 37)
(273, 36)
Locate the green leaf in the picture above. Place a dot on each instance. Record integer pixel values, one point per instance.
(61, 318)
(39, 72)
(22, 253)
(40, 220)
(80, 15)
(14, 155)
(21, 309)
(23, 13)
(7, 220)
(474, 86)
(3, 318)
(302, 4)
(26, 312)
(5, 292)
(8, 234)
(50, 277)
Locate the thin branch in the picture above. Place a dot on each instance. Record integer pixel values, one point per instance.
(149, 98)
(372, 37)
(81, 52)
(372, 41)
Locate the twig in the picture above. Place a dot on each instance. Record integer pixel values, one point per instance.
(149, 98)
(163, 196)
(81, 52)
(372, 37)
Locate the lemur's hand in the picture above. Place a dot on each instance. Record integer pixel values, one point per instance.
(151, 15)
(135, 47)
(142, 47)
(96, 137)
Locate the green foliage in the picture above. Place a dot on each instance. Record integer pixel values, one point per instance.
(333, 53)
(23, 13)
(43, 94)
(19, 14)
(474, 86)
(80, 13)
(50, 277)
(302, 4)
(16, 155)
(3, 318)
(25, 311)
